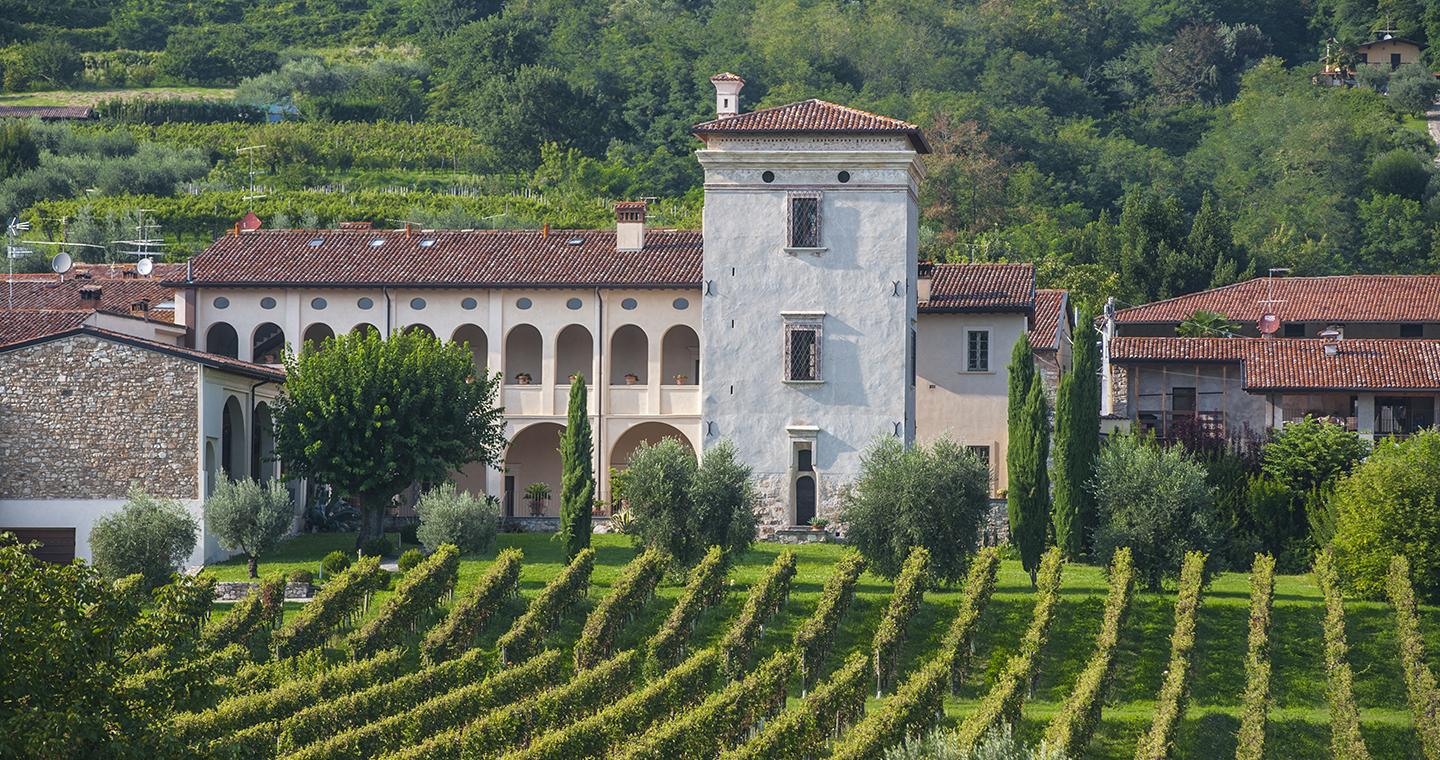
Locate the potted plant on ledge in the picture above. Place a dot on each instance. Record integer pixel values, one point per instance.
(522, 378)
(538, 494)
(631, 378)
(681, 379)
(818, 523)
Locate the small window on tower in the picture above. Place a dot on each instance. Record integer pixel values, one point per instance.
(802, 352)
(805, 220)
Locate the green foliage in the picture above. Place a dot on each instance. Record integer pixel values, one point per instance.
(905, 600)
(1420, 685)
(1389, 505)
(635, 586)
(339, 601)
(1028, 491)
(1170, 702)
(998, 744)
(409, 559)
(765, 599)
(249, 516)
(725, 717)
(1077, 441)
(256, 614)
(467, 616)
(415, 596)
(1345, 739)
(814, 636)
(979, 585)
(1395, 236)
(1207, 324)
(1399, 172)
(41, 65)
(18, 150)
(684, 508)
(1155, 501)
(577, 479)
(913, 710)
(1412, 89)
(369, 416)
(724, 499)
(567, 588)
(1003, 702)
(335, 562)
(1250, 743)
(705, 588)
(1071, 728)
(148, 535)
(799, 733)
(930, 496)
(182, 682)
(460, 518)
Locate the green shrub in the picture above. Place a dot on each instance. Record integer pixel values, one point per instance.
(409, 559)
(979, 585)
(1250, 743)
(635, 586)
(800, 733)
(260, 610)
(457, 632)
(813, 637)
(378, 546)
(705, 588)
(1389, 505)
(1071, 728)
(341, 600)
(1419, 679)
(1307, 454)
(912, 711)
(765, 599)
(683, 507)
(1346, 740)
(249, 516)
(568, 587)
(415, 597)
(301, 575)
(1170, 703)
(451, 516)
(335, 563)
(148, 535)
(904, 601)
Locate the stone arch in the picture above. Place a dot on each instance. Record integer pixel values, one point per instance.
(262, 443)
(267, 344)
(680, 355)
(629, 355)
(534, 457)
(645, 432)
(574, 354)
(222, 339)
(524, 352)
(474, 337)
(316, 334)
(234, 444)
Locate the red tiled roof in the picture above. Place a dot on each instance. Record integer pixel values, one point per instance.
(451, 258)
(979, 288)
(117, 291)
(46, 112)
(258, 371)
(813, 116)
(24, 324)
(1280, 364)
(1347, 298)
(1049, 309)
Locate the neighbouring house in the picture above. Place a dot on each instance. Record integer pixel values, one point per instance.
(1387, 49)
(1362, 350)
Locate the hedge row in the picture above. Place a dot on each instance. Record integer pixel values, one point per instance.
(1004, 700)
(1072, 726)
(635, 586)
(1250, 743)
(800, 733)
(418, 592)
(812, 639)
(705, 588)
(1170, 703)
(909, 590)
(764, 600)
(913, 710)
(194, 729)
(1419, 679)
(259, 610)
(716, 724)
(342, 598)
(979, 585)
(500, 731)
(1345, 740)
(379, 701)
(467, 616)
(414, 722)
(254, 677)
(593, 737)
(177, 684)
(527, 632)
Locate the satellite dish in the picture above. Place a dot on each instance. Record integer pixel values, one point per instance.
(144, 267)
(1268, 324)
(61, 263)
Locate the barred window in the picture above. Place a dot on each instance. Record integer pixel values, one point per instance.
(802, 351)
(805, 220)
(977, 351)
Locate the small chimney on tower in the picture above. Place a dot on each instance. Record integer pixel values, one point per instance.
(630, 226)
(727, 94)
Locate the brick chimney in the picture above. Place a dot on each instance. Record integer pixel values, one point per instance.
(630, 226)
(727, 94)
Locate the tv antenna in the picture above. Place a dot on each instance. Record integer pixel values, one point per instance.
(143, 245)
(1269, 323)
(249, 152)
(60, 263)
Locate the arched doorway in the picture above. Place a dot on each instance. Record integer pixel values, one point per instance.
(316, 335)
(646, 432)
(804, 499)
(234, 447)
(574, 350)
(262, 444)
(474, 337)
(523, 347)
(533, 457)
(629, 355)
(680, 356)
(221, 339)
(267, 344)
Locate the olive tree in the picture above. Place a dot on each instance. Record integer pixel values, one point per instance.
(683, 507)
(249, 517)
(150, 536)
(369, 416)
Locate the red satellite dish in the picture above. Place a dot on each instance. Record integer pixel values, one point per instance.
(1269, 324)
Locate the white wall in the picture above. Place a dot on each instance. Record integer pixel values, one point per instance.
(81, 514)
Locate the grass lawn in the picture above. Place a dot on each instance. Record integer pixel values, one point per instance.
(91, 97)
(1298, 727)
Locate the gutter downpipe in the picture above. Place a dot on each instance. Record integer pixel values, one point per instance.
(603, 461)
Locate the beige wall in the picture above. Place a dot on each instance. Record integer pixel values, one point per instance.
(969, 407)
(1379, 53)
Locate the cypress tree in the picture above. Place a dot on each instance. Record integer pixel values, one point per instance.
(1028, 492)
(1077, 441)
(577, 479)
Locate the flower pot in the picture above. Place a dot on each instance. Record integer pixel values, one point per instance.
(681, 379)
(522, 379)
(632, 379)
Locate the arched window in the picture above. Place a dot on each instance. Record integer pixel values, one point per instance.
(680, 356)
(221, 339)
(573, 351)
(420, 329)
(629, 356)
(365, 327)
(267, 344)
(523, 355)
(316, 334)
(474, 337)
(233, 441)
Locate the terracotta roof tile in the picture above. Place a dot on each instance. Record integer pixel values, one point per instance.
(1280, 364)
(46, 112)
(979, 288)
(258, 371)
(1347, 298)
(93, 287)
(1049, 309)
(18, 325)
(448, 258)
(813, 116)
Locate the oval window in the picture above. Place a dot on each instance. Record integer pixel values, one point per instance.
(318, 304)
(222, 303)
(522, 303)
(681, 304)
(417, 304)
(768, 176)
(629, 304)
(843, 177)
(365, 303)
(574, 304)
(267, 303)
(469, 304)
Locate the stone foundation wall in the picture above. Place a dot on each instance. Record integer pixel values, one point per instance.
(83, 417)
(774, 503)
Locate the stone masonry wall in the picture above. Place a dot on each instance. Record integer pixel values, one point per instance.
(82, 417)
